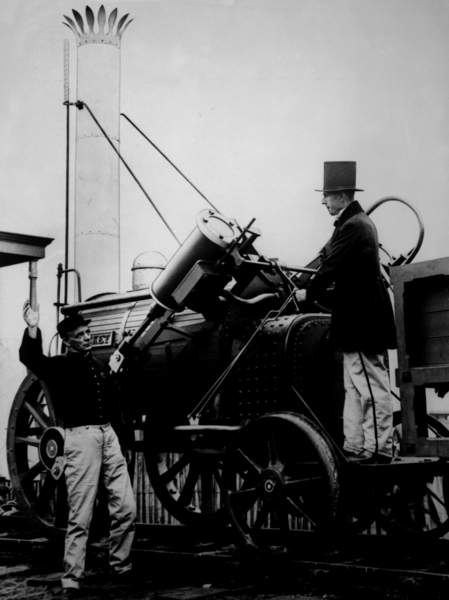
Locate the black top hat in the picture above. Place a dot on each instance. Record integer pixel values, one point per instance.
(70, 323)
(339, 176)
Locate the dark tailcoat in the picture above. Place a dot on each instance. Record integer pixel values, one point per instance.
(362, 315)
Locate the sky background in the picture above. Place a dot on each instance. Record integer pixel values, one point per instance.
(248, 97)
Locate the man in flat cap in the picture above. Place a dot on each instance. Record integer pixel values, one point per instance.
(87, 404)
(362, 321)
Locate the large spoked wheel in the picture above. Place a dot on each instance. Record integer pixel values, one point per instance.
(42, 497)
(186, 473)
(285, 478)
(418, 506)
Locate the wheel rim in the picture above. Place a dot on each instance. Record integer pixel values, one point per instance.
(41, 496)
(284, 478)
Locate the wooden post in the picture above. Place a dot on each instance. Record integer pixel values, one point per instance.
(32, 276)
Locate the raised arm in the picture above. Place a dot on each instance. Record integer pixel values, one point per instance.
(30, 351)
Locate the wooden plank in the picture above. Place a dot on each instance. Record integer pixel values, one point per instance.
(430, 375)
(428, 268)
(433, 447)
(198, 593)
(47, 579)
(433, 352)
(13, 570)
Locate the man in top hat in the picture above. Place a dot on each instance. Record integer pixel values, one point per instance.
(362, 321)
(85, 401)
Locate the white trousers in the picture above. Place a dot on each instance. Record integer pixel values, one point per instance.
(359, 425)
(92, 452)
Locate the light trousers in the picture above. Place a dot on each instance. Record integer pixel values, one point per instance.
(93, 453)
(363, 422)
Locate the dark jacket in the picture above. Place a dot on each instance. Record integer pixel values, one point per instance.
(81, 390)
(362, 315)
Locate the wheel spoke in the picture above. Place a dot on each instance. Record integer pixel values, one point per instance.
(432, 511)
(294, 485)
(29, 475)
(296, 510)
(188, 489)
(273, 455)
(38, 414)
(172, 471)
(434, 496)
(248, 462)
(27, 439)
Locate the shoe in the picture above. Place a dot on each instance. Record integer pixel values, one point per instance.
(361, 456)
(373, 459)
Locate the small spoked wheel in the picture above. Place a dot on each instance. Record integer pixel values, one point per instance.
(282, 476)
(418, 506)
(30, 445)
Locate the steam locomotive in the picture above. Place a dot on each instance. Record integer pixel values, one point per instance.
(236, 395)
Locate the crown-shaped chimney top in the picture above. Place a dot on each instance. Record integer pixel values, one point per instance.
(95, 31)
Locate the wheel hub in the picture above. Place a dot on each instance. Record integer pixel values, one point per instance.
(51, 446)
(51, 449)
(271, 483)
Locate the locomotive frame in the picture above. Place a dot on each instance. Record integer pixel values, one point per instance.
(253, 445)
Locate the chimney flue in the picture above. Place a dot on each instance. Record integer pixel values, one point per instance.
(97, 192)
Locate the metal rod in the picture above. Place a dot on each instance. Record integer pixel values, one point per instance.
(62, 272)
(59, 273)
(169, 161)
(299, 269)
(323, 429)
(80, 104)
(195, 413)
(67, 166)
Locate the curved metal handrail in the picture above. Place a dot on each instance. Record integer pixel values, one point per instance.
(401, 259)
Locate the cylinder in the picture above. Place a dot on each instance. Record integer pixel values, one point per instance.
(207, 242)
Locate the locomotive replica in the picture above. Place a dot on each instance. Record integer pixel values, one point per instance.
(236, 396)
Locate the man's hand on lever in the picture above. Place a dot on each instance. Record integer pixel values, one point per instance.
(300, 295)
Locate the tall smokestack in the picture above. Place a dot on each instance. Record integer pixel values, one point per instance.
(97, 193)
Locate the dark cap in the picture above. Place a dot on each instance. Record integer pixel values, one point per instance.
(70, 323)
(340, 176)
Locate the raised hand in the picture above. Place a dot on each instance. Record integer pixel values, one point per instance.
(300, 295)
(30, 316)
